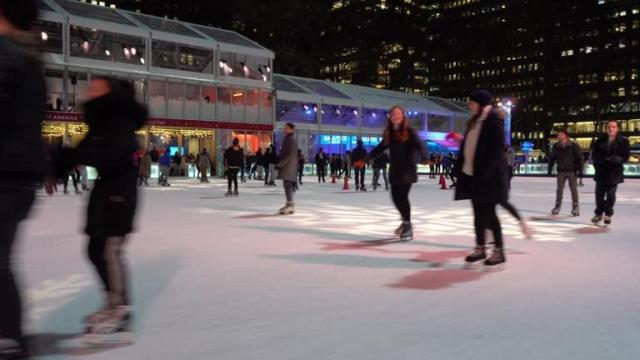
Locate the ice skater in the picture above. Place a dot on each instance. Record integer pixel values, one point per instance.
(113, 117)
(483, 178)
(321, 165)
(288, 167)
(609, 154)
(22, 107)
(359, 158)
(568, 157)
(233, 162)
(380, 166)
(404, 145)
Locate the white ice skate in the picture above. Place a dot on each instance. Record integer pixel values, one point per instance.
(287, 210)
(110, 328)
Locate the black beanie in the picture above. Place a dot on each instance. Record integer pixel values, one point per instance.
(20, 14)
(482, 97)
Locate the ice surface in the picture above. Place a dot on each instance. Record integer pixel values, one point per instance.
(225, 278)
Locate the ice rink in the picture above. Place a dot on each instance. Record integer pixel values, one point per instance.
(226, 278)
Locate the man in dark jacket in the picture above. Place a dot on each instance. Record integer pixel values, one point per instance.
(610, 152)
(568, 157)
(380, 165)
(288, 167)
(359, 160)
(321, 165)
(233, 162)
(23, 104)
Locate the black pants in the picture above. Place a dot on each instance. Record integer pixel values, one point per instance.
(15, 202)
(74, 179)
(232, 178)
(605, 198)
(289, 189)
(511, 209)
(359, 174)
(376, 177)
(321, 173)
(266, 173)
(485, 218)
(300, 173)
(400, 197)
(105, 253)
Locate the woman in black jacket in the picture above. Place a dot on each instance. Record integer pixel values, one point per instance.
(482, 175)
(404, 145)
(113, 117)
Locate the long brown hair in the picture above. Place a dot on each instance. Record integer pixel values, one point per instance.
(402, 133)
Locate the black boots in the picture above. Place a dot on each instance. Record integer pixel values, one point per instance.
(479, 253)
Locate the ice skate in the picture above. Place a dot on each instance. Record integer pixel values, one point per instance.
(479, 253)
(496, 258)
(576, 210)
(11, 349)
(228, 193)
(555, 210)
(406, 232)
(287, 210)
(235, 193)
(607, 220)
(596, 219)
(111, 327)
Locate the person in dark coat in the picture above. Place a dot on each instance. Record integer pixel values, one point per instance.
(482, 175)
(321, 165)
(609, 153)
(359, 160)
(380, 166)
(301, 162)
(265, 164)
(288, 167)
(403, 144)
(233, 162)
(273, 162)
(23, 103)
(568, 157)
(113, 116)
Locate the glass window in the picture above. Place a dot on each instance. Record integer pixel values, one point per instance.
(104, 45)
(208, 102)
(191, 101)
(238, 98)
(296, 112)
(438, 123)
(374, 118)
(55, 90)
(252, 106)
(246, 66)
(175, 100)
(266, 107)
(223, 106)
(195, 59)
(165, 54)
(50, 35)
(340, 115)
(77, 83)
(416, 120)
(157, 98)
(140, 86)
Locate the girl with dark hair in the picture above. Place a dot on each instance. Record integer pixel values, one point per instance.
(403, 144)
(482, 175)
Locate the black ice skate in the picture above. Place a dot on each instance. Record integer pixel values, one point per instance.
(235, 193)
(406, 231)
(228, 193)
(496, 258)
(576, 210)
(607, 220)
(596, 219)
(555, 210)
(478, 254)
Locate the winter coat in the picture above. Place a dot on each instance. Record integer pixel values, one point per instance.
(154, 156)
(204, 161)
(273, 157)
(288, 165)
(381, 161)
(109, 146)
(321, 160)
(145, 166)
(609, 160)
(165, 159)
(234, 157)
(22, 109)
(403, 158)
(489, 181)
(259, 158)
(359, 157)
(568, 157)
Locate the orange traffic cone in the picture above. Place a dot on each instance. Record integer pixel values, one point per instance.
(443, 183)
(346, 184)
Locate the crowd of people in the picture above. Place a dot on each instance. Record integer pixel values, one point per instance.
(481, 173)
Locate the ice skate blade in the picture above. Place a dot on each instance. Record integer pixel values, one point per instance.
(114, 339)
(481, 267)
